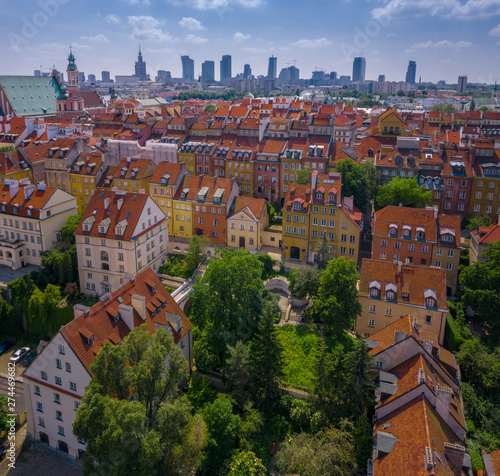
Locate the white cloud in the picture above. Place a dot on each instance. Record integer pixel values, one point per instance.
(112, 19)
(190, 23)
(146, 28)
(198, 40)
(459, 9)
(216, 4)
(96, 38)
(238, 36)
(138, 2)
(442, 44)
(495, 31)
(312, 43)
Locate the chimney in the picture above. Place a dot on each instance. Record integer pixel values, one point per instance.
(427, 346)
(435, 213)
(399, 336)
(119, 203)
(80, 309)
(314, 178)
(127, 315)
(455, 453)
(106, 202)
(139, 304)
(400, 267)
(421, 376)
(443, 401)
(28, 191)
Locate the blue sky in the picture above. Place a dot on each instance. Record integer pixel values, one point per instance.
(445, 37)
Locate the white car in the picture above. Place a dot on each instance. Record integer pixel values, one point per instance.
(19, 354)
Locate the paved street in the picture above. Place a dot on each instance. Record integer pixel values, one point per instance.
(7, 274)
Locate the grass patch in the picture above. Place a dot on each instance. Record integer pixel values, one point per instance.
(300, 350)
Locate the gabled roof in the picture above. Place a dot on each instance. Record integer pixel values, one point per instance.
(487, 234)
(256, 206)
(99, 322)
(164, 169)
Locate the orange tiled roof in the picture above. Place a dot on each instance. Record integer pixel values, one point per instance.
(134, 169)
(256, 205)
(165, 168)
(99, 322)
(487, 234)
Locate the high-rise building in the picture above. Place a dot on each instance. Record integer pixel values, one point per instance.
(140, 68)
(105, 76)
(462, 84)
(272, 70)
(411, 73)
(381, 78)
(81, 77)
(187, 68)
(247, 71)
(162, 76)
(37, 73)
(225, 68)
(208, 72)
(333, 75)
(358, 69)
(289, 75)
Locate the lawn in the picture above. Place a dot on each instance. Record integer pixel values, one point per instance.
(300, 349)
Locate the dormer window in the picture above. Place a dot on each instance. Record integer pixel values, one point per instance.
(420, 233)
(117, 318)
(90, 340)
(319, 196)
(374, 289)
(331, 197)
(430, 298)
(430, 302)
(101, 229)
(406, 231)
(85, 228)
(393, 229)
(153, 289)
(297, 206)
(390, 296)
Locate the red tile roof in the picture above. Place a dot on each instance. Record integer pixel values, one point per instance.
(100, 324)
(165, 168)
(256, 205)
(487, 234)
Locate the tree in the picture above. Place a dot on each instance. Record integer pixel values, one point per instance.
(4, 413)
(246, 463)
(227, 303)
(267, 266)
(303, 176)
(322, 255)
(68, 229)
(238, 372)
(354, 182)
(483, 108)
(480, 367)
(194, 255)
(472, 106)
(266, 361)
(444, 108)
(480, 284)
(223, 428)
(477, 221)
(210, 108)
(10, 325)
(337, 302)
(401, 93)
(363, 439)
(331, 451)
(403, 191)
(131, 417)
(306, 283)
(7, 148)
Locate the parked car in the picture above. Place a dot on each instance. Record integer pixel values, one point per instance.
(29, 358)
(2, 452)
(6, 346)
(18, 355)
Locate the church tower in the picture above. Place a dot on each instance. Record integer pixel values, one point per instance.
(69, 102)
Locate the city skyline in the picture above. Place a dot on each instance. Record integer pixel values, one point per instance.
(459, 38)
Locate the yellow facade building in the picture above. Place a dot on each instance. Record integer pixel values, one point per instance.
(247, 222)
(133, 175)
(164, 185)
(85, 174)
(13, 166)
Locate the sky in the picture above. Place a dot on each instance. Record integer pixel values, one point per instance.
(446, 38)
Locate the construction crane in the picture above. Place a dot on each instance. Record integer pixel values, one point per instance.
(294, 61)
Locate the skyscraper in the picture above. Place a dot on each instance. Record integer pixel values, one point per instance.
(105, 77)
(462, 84)
(208, 72)
(381, 78)
(187, 68)
(140, 68)
(247, 71)
(272, 70)
(358, 69)
(225, 68)
(411, 73)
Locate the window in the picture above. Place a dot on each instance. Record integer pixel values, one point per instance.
(61, 347)
(437, 264)
(331, 224)
(37, 390)
(60, 430)
(303, 231)
(447, 206)
(352, 239)
(68, 367)
(383, 243)
(342, 250)
(428, 319)
(479, 183)
(72, 386)
(315, 233)
(41, 422)
(488, 209)
(411, 246)
(58, 415)
(382, 255)
(450, 253)
(449, 266)
(343, 238)
(351, 252)
(477, 208)
(372, 310)
(58, 364)
(439, 251)
(371, 323)
(425, 249)
(397, 245)
(120, 256)
(58, 381)
(315, 221)
(390, 296)
(430, 302)
(39, 407)
(44, 375)
(379, 364)
(57, 398)
(388, 312)
(77, 404)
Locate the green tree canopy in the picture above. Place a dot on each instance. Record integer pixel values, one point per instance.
(444, 108)
(306, 283)
(480, 284)
(7, 148)
(303, 176)
(227, 303)
(477, 221)
(331, 451)
(68, 229)
(131, 417)
(354, 182)
(322, 255)
(337, 301)
(403, 191)
(246, 463)
(194, 255)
